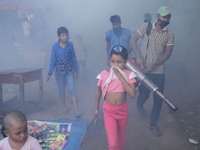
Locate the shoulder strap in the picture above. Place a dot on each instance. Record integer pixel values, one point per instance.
(149, 28)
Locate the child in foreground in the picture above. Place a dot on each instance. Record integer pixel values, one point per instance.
(113, 84)
(15, 124)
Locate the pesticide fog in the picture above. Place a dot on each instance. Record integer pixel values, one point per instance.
(91, 19)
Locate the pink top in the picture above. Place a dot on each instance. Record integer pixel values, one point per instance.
(31, 144)
(115, 84)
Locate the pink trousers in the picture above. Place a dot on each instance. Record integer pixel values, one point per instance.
(115, 120)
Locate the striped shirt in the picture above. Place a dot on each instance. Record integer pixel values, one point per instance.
(153, 46)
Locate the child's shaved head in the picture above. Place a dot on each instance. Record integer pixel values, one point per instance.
(12, 118)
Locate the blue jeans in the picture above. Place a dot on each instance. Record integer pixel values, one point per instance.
(66, 79)
(159, 80)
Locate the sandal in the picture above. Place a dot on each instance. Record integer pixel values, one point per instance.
(142, 113)
(156, 131)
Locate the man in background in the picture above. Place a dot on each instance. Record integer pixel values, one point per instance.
(117, 36)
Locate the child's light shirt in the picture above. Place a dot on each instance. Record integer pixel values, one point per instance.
(30, 144)
(110, 83)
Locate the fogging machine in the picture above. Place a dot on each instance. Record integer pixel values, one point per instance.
(148, 83)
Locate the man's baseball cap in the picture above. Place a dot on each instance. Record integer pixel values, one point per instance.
(164, 11)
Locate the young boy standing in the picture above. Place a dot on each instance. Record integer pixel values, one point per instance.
(63, 60)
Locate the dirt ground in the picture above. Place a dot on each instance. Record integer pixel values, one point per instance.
(177, 127)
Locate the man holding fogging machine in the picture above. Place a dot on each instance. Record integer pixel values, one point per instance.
(156, 48)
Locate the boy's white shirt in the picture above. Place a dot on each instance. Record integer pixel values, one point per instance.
(30, 144)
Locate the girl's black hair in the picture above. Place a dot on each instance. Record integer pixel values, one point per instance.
(119, 50)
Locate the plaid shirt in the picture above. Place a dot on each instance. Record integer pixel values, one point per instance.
(153, 46)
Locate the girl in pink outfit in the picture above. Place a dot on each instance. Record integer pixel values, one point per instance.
(113, 84)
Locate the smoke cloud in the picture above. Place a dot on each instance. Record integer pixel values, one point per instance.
(91, 19)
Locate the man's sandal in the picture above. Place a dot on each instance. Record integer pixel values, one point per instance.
(156, 131)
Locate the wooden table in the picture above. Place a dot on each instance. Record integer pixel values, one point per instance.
(21, 76)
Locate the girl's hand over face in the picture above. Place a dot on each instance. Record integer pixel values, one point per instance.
(118, 74)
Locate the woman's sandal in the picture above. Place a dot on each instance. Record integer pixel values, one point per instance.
(156, 131)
